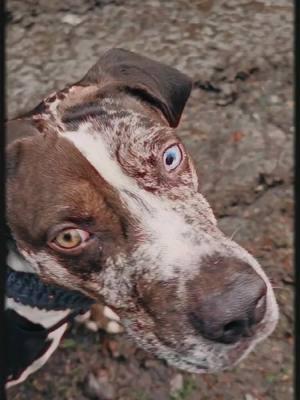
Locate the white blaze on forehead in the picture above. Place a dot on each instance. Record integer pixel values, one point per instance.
(94, 148)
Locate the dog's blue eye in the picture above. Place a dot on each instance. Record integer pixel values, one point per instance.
(172, 157)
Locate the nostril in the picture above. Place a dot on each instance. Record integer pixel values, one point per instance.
(234, 330)
(234, 326)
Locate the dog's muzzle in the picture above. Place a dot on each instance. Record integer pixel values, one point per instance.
(223, 303)
(210, 320)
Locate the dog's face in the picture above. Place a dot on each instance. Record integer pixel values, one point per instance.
(102, 197)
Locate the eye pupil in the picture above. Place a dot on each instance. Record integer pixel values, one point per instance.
(170, 159)
(67, 237)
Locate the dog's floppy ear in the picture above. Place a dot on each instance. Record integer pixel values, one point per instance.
(19, 134)
(17, 131)
(160, 85)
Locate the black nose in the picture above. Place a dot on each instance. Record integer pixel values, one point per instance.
(228, 300)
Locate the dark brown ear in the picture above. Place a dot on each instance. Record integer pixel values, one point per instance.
(160, 85)
(18, 131)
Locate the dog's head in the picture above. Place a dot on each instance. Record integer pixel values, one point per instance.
(102, 197)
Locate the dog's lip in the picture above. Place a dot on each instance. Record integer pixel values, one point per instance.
(234, 354)
(195, 364)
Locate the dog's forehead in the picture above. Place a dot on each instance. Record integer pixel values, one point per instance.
(75, 104)
(118, 135)
(128, 154)
(119, 122)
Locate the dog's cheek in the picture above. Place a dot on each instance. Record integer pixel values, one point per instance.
(82, 265)
(160, 305)
(50, 269)
(70, 271)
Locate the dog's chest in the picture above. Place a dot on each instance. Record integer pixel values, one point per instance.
(37, 316)
(30, 344)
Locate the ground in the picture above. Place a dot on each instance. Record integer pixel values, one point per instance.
(238, 125)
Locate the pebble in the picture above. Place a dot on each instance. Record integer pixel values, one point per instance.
(249, 396)
(207, 31)
(274, 99)
(71, 19)
(99, 387)
(176, 384)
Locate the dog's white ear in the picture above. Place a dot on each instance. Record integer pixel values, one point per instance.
(161, 86)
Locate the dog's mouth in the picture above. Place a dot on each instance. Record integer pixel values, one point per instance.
(175, 341)
(204, 358)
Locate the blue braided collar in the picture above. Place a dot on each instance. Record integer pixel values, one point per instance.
(27, 289)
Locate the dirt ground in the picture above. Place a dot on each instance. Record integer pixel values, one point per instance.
(238, 126)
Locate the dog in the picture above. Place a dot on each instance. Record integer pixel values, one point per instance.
(103, 206)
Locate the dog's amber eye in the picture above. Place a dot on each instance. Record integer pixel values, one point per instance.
(71, 238)
(172, 157)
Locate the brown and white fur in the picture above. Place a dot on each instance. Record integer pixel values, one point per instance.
(91, 156)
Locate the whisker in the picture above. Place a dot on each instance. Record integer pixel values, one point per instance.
(235, 232)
